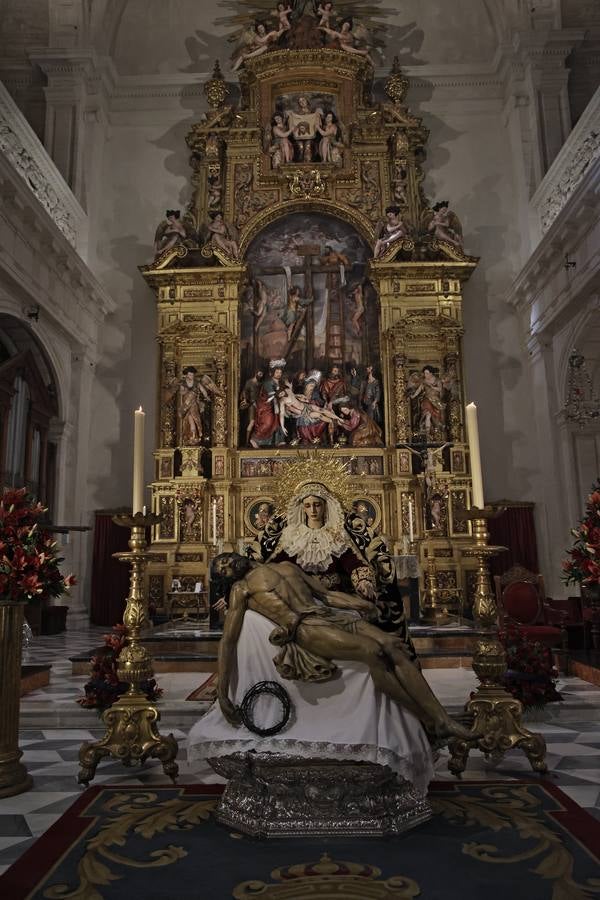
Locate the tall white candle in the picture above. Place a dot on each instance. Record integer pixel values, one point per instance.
(138, 460)
(411, 532)
(476, 473)
(214, 520)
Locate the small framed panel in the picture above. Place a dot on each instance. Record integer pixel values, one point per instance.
(257, 513)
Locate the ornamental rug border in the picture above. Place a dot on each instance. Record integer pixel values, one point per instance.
(119, 841)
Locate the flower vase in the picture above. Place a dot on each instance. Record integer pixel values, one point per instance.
(14, 778)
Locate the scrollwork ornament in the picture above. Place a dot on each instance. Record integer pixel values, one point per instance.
(307, 185)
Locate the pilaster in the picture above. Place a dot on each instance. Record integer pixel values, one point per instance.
(71, 75)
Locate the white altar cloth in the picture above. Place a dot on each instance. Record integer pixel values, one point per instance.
(344, 718)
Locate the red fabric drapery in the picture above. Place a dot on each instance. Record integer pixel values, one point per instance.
(514, 529)
(110, 578)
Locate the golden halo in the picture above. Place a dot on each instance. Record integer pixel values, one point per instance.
(314, 467)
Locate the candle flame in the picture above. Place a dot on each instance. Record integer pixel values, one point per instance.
(139, 409)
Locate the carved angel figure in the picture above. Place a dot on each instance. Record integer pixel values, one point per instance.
(331, 144)
(280, 148)
(170, 232)
(223, 236)
(347, 36)
(193, 395)
(214, 192)
(252, 42)
(391, 230)
(445, 225)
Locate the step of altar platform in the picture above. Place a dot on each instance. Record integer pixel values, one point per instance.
(189, 650)
(585, 664)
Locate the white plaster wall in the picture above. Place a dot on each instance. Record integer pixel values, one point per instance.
(145, 172)
(470, 165)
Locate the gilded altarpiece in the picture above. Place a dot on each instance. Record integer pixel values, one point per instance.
(309, 299)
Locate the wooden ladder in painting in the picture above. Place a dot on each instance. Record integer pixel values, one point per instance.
(335, 323)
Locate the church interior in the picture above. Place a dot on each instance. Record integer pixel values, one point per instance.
(300, 437)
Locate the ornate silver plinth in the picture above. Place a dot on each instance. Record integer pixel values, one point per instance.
(270, 795)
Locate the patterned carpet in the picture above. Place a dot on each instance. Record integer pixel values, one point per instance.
(53, 728)
(488, 838)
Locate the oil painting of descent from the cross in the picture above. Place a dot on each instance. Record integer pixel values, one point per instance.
(310, 338)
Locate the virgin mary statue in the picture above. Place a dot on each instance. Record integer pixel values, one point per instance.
(315, 532)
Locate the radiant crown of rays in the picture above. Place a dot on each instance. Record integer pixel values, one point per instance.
(316, 469)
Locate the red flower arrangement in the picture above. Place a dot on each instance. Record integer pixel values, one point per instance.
(583, 566)
(104, 686)
(530, 673)
(29, 566)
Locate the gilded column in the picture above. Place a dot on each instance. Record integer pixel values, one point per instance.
(455, 421)
(400, 406)
(219, 423)
(168, 403)
(13, 774)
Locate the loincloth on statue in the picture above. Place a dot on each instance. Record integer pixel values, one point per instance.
(298, 664)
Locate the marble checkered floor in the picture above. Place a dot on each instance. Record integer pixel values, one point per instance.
(53, 728)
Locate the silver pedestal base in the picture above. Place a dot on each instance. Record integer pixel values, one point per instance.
(270, 795)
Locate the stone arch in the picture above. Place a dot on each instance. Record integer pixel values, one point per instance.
(28, 393)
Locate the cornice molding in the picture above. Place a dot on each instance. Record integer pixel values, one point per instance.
(578, 153)
(24, 152)
(542, 291)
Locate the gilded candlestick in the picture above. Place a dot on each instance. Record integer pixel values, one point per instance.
(131, 722)
(435, 611)
(497, 716)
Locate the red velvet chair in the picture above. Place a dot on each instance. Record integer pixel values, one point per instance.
(520, 596)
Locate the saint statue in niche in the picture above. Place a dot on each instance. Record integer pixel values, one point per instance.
(425, 392)
(194, 394)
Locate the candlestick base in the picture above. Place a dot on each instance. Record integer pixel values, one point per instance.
(131, 723)
(435, 611)
(496, 715)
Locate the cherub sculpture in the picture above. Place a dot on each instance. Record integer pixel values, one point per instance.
(326, 13)
(282, 14)
(390, 231)
(445, 225)
(170, 232)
